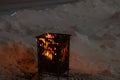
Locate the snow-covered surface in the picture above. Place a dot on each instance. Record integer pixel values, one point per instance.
(95, 41)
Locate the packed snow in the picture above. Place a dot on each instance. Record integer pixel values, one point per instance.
(95, 41)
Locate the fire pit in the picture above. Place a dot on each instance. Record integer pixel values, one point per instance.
(53, 53)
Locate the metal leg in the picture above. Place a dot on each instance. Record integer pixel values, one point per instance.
(40, 77)
(58, 77)
(67, 75)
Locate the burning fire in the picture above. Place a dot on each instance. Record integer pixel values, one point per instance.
(48, 55)
(49, 35)
(50, 47)
(48, 51)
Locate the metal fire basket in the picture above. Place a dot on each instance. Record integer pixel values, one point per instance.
(53, 53)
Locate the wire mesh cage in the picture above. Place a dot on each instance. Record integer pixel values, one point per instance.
(53, 53)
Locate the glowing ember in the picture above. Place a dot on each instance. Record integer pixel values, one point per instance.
(48, 55)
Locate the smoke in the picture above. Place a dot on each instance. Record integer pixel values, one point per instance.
(16, 61)
(91, 50)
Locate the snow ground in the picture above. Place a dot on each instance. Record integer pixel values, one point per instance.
(95, 42)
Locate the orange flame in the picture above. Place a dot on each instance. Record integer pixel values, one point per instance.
(49, 52)
(48, 55)
(49, 35)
